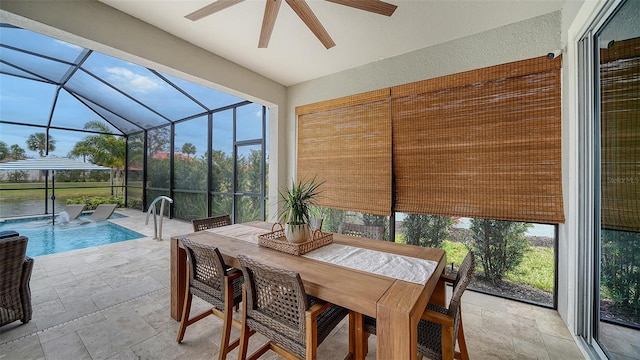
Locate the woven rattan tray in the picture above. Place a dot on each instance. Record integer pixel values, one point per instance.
(276, 240)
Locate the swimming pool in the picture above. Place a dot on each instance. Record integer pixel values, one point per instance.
(45, 238)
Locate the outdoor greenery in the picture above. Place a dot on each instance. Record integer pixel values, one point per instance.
(621, 268)
(331, 218)
(38, 142)
(92, 202)
(427, 230)
(102, 149)
(536, 268)
(190, 177)
(499, 246)
(11, 153)
(190, 173)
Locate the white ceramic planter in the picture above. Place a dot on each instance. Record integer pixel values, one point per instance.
(296, 233)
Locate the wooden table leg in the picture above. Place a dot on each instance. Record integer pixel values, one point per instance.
(439, 296)
(357, 338)
(178, 278)
(397, 323)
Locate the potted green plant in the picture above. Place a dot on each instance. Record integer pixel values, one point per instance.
(297, 203)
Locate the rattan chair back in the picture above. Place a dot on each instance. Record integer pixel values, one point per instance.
(275, 297)
(277, 306)
(430, 334)
(206, 272)
(213, 281)
(15, 274)
(367, 231)
(210, 223)
(463, 278)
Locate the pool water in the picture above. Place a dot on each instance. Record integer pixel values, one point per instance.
(45, 239)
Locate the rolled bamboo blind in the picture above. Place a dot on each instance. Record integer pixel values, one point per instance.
(483, 144)
(620, 135)
(346, 143)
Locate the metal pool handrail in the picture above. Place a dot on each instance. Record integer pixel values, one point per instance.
(157, 226)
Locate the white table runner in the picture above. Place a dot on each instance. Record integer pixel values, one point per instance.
(395, 266)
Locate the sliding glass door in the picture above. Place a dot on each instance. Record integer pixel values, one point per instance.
(610, 60)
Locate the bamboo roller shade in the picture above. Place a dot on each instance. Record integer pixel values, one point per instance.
(484, 144)
(347, 144)
(620, 135)
(481, 144)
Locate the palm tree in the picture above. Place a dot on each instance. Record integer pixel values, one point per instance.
(4, 150)
(16, 152)
(188, 148)
(38, 142)
(102, 149)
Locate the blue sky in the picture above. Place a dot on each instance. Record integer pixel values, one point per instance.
(28, 101)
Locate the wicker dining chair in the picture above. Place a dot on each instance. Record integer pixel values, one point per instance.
(210, 223)
(15, 274)
(367, 231)
(439, 327)
(275, 304)
(210, 279)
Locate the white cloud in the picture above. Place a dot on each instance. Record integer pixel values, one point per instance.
(64, 43)
(129, 80)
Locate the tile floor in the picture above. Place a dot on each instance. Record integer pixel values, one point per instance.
(112, 302)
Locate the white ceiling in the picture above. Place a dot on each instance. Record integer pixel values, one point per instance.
(294, 54)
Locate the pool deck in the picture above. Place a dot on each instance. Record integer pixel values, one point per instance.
(112, 302)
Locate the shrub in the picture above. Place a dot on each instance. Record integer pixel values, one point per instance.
(499, 246)
(621, 268)
(331, 218)
(92, 202)
(135, 204)
(18, 176)
(427, 230)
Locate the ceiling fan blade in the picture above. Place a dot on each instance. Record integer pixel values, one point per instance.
(212, 8)
(375, 6)
(305, 13)
(270, 14)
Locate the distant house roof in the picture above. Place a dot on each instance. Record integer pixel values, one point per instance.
(165, 155)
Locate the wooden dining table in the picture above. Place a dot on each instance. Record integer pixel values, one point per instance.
(396, 304)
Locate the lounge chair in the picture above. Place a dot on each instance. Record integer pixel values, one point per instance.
(74, 210)
(101, 213)
(70, 212)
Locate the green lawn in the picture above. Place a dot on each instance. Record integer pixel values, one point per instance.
(536, 269)
(63, 190)
(16, 197)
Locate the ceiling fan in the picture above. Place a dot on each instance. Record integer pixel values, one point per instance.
(302, 9)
